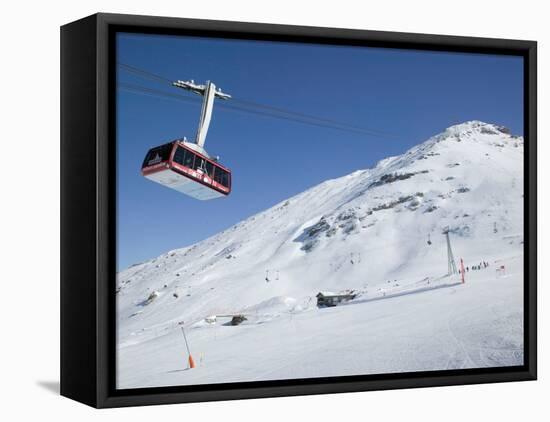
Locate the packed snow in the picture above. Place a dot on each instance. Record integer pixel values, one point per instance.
(376, 233)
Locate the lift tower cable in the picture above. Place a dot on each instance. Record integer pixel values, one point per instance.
(252, 107)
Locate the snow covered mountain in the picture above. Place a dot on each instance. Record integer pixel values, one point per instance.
(377, 232)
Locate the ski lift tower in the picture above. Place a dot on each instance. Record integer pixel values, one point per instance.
(451, 265)
(209, 92)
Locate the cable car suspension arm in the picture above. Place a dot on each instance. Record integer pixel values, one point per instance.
(209, 93)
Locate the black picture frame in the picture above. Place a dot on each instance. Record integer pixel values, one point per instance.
(88, 214)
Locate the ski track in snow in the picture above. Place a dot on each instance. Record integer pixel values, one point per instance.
(366, 231)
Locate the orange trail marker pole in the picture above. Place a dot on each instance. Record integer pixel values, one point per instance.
(190, 359)
(462, 269)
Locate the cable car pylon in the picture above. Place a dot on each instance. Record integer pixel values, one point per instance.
(451, 265)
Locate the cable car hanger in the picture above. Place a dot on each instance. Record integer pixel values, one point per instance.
(209, 93)
(186, 166)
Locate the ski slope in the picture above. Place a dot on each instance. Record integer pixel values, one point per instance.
(368, 232)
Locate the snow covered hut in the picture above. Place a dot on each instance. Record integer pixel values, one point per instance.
(325, 299)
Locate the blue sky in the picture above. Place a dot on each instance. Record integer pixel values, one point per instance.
(411, 95)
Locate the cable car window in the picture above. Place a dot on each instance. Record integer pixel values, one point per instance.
(188, 159)
(218, 175)
(209, 168)
(179, 155)
(157, 155)
(199, 163)
(224, 178)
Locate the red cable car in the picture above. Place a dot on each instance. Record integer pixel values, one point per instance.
(179, 166)
(186, 166)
